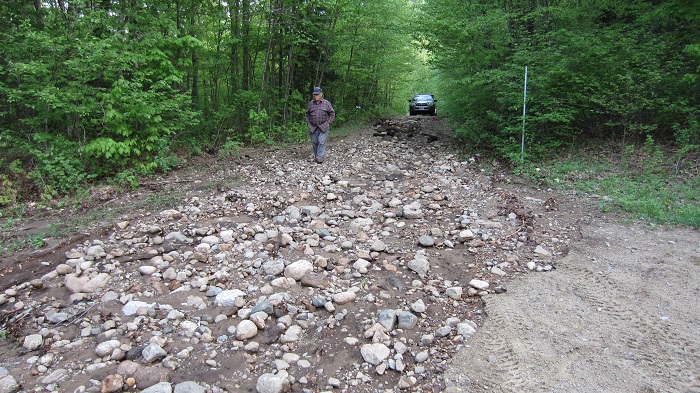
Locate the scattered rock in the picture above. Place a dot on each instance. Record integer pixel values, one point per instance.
(298, 269)
(479, 284)
(8, 384)
(344, 297)
(375, 353)
(426, 241)
(33, 342)
(419, 265)
(273, 383)
(246, 330)
(276, 272)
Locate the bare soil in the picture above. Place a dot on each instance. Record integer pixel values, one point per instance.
(619, 314)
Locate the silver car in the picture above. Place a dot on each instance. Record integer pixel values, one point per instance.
(422, 104)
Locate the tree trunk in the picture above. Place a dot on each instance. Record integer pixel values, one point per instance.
(195, 58)
(247, 64)
(266, 64)
(235, 11)
(347, 71)
(39, 14)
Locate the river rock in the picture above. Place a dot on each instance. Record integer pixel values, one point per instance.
(479, 284)
(420, 265)
(153, 352)
(375, 353)
(344, 297)
(407, 320)
(426, 241)
(189, 387)
(298, 269)
(273, 267)
(273, 383)
(246, 329)
(161, 387)
(150, 376)
(33, 342)
(106, 348)
(228, 298)
(8, 384)
(112, 383)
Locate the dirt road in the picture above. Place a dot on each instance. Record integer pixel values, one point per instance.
(399, 264)
(619, 314)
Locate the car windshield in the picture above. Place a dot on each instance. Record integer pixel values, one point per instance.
(423, 97)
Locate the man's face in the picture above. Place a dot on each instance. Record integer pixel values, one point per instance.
(318, 97)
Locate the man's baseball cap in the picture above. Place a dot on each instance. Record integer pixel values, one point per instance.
(317, 90)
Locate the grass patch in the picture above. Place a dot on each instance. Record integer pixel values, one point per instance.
(159, 201)
(661, 193)
(349, 128)
(75, 223)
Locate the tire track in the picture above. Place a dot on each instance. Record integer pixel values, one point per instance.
(597, 323)
(647, 341)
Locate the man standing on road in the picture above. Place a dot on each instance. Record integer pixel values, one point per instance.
(319, 116)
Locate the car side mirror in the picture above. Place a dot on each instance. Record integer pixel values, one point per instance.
(434, 100)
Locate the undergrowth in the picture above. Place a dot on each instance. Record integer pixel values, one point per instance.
(645, 181)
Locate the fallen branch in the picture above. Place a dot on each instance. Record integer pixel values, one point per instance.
(77, 316)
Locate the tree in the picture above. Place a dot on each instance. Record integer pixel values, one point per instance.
(240, 70)
(599, 69)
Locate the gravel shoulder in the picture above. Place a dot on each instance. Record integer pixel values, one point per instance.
(619, 314)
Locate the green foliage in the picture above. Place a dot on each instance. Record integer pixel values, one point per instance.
(687, 140)
(77, 122)
(230, 124)
(128, 177)
(135, 122)
(230, 148)
(297, 131)
(372, 58)
(653, 156)
(163, 200)
(645, 185)
(58, 164)
(121, 88)
(16, 213)
(597, 70)
(37, 241)
(204, 75)
(257, 130)
(8, 183)
(166, 161)
(8, 193)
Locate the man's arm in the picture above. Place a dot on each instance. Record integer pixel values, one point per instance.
(308, 114)
(331, 113)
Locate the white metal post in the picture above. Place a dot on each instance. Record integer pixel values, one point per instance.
(522, 143)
